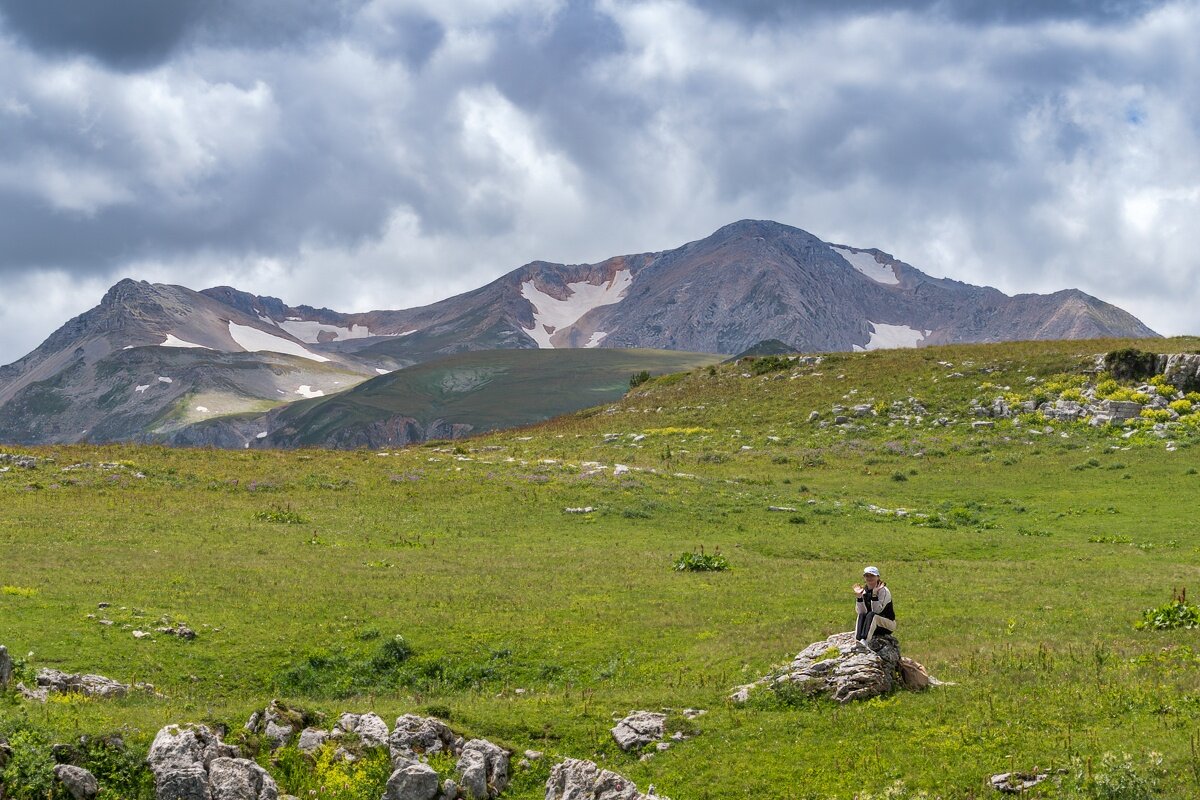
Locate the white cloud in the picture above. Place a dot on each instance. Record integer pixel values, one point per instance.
(1030, 155)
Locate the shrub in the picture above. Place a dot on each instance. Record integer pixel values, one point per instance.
(1072, 394)
(1130, 364)
(638, 378)
(699, 561)
(1181, 407)
(1178, 613)
(30, 771)
(899, 477)
(1156, 414)
(765, 364)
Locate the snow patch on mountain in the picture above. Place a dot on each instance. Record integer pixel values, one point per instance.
(867, 265)
(308, 331)
(891, 337)
(309, 392)
(164, 379)
(173, 341)
(551, 315)
(253, 340)
(141, 389)
(596, 338)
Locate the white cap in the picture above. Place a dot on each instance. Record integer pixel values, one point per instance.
(871, 571)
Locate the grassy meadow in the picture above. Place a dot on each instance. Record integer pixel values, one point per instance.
(1028, 553)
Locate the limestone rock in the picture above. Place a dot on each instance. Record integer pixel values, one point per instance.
(52, 680)
(180, 758)
(413, 782)
(278, 723)
(240, 779)
(575, 779)
(840, 668)
(483, 768)
(184, 783)
(78, 782)
(415, 735)
(312, 739)
(370, 729)
(1016, 782)
(639, 729)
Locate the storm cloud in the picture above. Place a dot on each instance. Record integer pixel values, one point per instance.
(388, 153)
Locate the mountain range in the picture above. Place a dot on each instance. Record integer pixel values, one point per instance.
(155, 362)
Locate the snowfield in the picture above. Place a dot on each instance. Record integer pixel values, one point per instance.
(596, 338)
(253, 340)
(867, 265)
(309, 392)
(174, 341)
(307, 331)
(890, 337)
(551, 315)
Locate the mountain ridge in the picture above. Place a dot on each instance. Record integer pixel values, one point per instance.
(749, 282)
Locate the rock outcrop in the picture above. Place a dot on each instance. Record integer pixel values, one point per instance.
(278, 723)
(416, 736)
(483, 769)
(369, 728)
(575, 779)
(639, 729)
(51, 681)
(192, 763)
(845, 670)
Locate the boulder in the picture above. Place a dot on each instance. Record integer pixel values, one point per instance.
(184, 783)
(483, 769)
(412, 782)
(54, 681)
(312, 739)
(414, 736)
(575, 779)
(181, 757)
(840, 668)
(78, 782)
(370, 729)
(181, 746)
(240, 779)
(639, 729)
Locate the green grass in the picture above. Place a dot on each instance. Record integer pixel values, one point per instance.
(1015, 576)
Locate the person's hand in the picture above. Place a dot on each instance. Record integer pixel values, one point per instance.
(858, 590)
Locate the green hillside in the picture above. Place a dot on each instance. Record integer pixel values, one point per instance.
(481, 390)
(1021, 554)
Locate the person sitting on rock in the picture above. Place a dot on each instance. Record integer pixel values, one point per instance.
(873, 603)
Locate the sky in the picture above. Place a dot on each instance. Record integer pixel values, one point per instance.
(362, 154)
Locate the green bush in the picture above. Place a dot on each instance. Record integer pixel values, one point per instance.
(638, 378)
(765, 364)
(1178, 613)
(699, 561)
(30, 771)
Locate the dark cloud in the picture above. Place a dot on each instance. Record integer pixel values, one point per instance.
(139, 34)
(126, 34)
